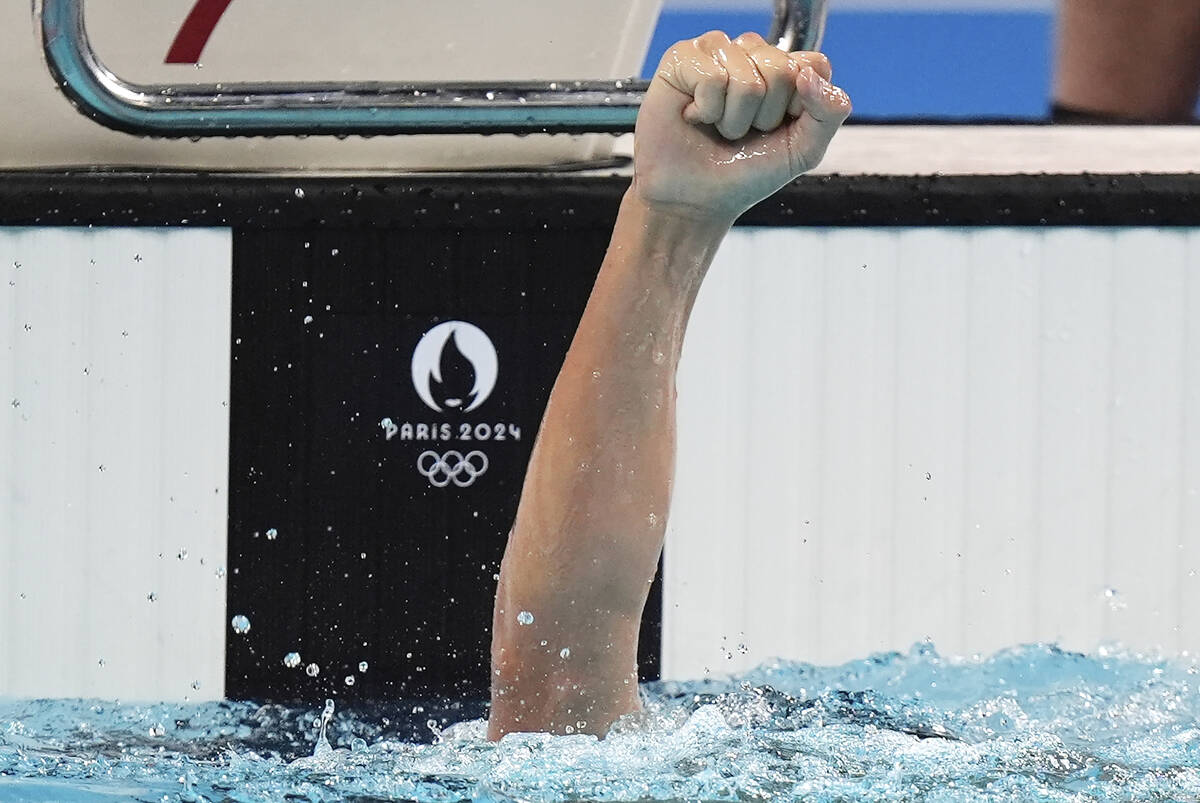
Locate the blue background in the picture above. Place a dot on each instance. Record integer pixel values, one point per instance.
(937, 64)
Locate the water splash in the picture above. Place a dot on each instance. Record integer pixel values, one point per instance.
(323, 747)
(1032, 723)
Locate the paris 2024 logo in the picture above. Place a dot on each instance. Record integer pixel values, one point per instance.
(454, 370)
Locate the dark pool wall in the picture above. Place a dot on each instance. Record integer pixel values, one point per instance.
(387, 386)
(391, 510)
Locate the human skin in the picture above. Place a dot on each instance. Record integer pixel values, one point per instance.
(1131, 60)
(723, 125)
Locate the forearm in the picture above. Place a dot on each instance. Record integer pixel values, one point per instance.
(599, 484)
(592, 516)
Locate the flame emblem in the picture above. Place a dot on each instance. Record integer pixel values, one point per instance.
(454, 367)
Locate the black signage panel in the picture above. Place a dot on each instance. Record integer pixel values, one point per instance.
(387, 387)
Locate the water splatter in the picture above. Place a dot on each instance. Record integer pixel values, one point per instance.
(240, 624)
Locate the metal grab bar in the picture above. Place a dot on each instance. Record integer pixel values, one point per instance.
(798, 24)
(367, 108)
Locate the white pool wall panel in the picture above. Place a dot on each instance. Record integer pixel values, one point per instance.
(114, 376)
(982, 437)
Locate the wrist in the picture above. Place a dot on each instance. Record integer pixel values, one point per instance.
(676, 214)
(658, 252)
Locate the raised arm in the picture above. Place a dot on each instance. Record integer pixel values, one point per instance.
(723, 125)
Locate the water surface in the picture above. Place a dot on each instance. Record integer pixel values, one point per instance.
(1031, 723)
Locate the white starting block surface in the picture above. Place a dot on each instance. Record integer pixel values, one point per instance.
(316, 40)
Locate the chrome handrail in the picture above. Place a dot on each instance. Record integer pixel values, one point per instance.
(798, 24)
(365, 108)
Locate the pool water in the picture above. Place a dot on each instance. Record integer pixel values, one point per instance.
(1030, 723)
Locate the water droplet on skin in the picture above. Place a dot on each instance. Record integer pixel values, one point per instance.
(240, 624)
(652, 519)
(349, 680)
(272, 534)
(524, 618)
(362, 666)
(291, 660)
(659, 357)
(564, 653)
(312, 670)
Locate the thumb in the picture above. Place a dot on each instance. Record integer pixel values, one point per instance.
(819, 109)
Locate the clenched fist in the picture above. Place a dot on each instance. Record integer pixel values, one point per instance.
(726, 123)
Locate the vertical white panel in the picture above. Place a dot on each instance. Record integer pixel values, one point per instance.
(1004, 271)
(983, 430)
(114, 460)
(930, 434)
(856, 475)
(1187, 568)
(1149, 270)
(1073, 440)
(714, 567)
(785, 317)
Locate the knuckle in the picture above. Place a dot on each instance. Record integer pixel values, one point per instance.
(713, 38)
(776, 63)
(752, 85)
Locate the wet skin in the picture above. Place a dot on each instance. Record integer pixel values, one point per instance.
(724, 124)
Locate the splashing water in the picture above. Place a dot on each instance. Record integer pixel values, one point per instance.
(1033, 723)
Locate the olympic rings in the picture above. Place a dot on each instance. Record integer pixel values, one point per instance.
(453, 466)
